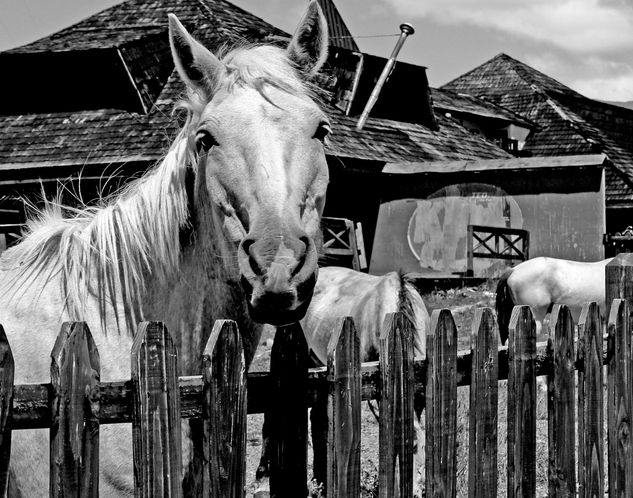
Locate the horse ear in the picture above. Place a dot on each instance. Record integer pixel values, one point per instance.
(197, 66)
(308, 47)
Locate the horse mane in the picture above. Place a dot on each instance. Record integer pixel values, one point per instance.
(110, 250)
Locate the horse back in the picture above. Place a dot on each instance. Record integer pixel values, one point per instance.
(367, 299)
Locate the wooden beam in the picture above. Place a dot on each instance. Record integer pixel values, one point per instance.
(31, 401)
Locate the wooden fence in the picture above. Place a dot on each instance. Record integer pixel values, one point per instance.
(511, 244)
(75, 403)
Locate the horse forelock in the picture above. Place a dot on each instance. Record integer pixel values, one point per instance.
(109, 250)
(256, 66)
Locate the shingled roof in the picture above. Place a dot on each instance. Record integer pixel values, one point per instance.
(568, 123)
(448, 101)
(134, 33)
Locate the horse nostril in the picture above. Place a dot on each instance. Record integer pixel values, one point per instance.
(301, 257)
(252, 261)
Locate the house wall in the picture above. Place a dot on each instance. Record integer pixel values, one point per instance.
(426, 232)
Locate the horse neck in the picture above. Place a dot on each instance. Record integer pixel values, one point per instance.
(204, 289)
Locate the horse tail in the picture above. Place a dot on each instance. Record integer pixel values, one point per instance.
(504, 305)
(412, 306)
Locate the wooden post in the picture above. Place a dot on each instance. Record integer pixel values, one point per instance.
(156, 427)
(441, 405)
(343, 410)
(619, 280)
(484, 394)
(289, 413)
(224, 412)
(522, 404)
(590, 404)
(561, 404)
(6, 403)
(74, 442)
(619, 406)
(470, 241)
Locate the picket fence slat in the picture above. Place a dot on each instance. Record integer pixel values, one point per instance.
(619, 401)
(590, 404)
(561, 404)
(289, 413)
(441, 406)
(395, 428)
(522, 404)
(156, 430)
(484, 395)
(343, 410)
(6, 394)
(224, 374)
(74, 435)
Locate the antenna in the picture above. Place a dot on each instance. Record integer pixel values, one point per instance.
(406, 29)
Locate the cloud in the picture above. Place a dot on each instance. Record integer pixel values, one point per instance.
(580, 26)
(594, 77)
(618, 88)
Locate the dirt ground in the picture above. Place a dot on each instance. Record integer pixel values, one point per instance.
(463, 303)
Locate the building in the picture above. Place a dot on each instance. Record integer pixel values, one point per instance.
(104, 110)
(567, 123)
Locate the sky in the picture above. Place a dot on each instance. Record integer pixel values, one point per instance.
(585, 44)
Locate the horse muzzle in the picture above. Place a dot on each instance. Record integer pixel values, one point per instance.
(278, 277)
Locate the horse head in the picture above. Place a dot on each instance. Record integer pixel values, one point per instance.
(259, 136)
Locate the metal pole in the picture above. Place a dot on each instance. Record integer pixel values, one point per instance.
(406, 29)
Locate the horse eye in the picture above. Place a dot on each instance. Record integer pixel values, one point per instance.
(204, 140)
(322, 131)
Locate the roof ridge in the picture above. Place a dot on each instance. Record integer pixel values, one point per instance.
(507, 109)
(527, 73)
(587, 131)
(484, 102)
(470, 71)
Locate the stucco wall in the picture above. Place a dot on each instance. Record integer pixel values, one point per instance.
(429, 234)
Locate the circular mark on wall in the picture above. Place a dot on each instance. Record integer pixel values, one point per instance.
(437, 229)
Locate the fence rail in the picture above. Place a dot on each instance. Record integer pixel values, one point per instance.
(75, 403)
(512, 244)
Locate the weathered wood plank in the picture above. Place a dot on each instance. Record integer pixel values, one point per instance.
(590, 404)
(289, 419)
(343, 411)
(561, 404)
(224, 412)
(441, 406)
(156, 422)
(619, 406)
(74, 441)
(522, 404)
(619, 280)
(6, 403)
(395, 429)
(484, 395)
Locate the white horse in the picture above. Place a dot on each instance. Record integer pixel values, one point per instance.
(543, 282)
(226, 226)
(367, 299)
